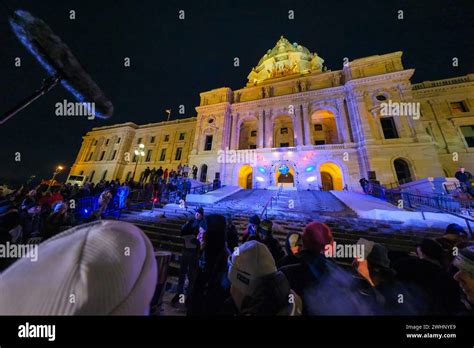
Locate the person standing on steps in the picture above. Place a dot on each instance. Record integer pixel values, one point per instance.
(190, 255)
(364, 183)
(464, 178)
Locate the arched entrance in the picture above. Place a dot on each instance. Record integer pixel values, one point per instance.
(203, 176)
(245, 177)
(285, 175)
(326, 181)
(331, 177)
(402, 169)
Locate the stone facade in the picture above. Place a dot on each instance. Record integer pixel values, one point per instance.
(296, 123)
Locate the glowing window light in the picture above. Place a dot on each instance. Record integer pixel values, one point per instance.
(310, 168)
(259, 178)
(311, 179)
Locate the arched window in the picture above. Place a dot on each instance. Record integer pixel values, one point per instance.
(104, 176)
(91, 177)
(402, 169)
(388, 128)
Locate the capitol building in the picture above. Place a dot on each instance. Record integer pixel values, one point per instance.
(300, 125)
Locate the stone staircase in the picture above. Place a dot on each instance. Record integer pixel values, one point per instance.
(163, 226)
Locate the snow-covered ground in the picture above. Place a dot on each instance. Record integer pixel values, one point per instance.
(369, 207)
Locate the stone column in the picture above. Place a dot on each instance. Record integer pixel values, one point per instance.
(361, 117)
(341, 121)
(306, 126)
(260, 130)
(298, 132)
(268, 129)
(234, 144)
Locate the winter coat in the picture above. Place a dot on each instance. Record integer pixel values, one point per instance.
(325, 288)
(189, 232)
(211, 287)
(275, 248)
(440, 290)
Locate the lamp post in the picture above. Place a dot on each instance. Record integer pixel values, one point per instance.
(140, 153)
(58, 170)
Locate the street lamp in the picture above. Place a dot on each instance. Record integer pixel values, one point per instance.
(58, 170)
(140, 153)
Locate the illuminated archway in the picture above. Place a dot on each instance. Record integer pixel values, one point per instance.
(245, 176)
(323, 128)
(283, 132)
(331, 176)
(285, 175)
(248, 134)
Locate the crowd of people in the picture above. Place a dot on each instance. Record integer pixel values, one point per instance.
(254, 275)
(44, 211)
(223, 272)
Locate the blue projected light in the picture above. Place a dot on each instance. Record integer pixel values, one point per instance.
(261, 170)
(283, 169)
(310, 168)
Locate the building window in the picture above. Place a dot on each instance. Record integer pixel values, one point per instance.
(163, 155)
(107, 142)
(134, 159)
(148, 155)
(458, 107)
(152, 140)
(208, 143)
(388, 128)
(284, 130)
(94, 142)
(179, 150)
(318, 127)
(90, 156)
(167, 138)
(129, 174)
(253, 146)
(118, 140)
(81, 172)
(102, 154)
(92, 176)
(319, 142)
(181, 136)
(113, 155)
(104, 176)
(381, 97)
(284, 144)
(139, 141)
(468, 132)
(253, 133)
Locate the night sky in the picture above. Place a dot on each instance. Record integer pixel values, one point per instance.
(173, 60)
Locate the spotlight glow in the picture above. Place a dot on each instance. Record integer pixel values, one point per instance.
(309, 168)
(311, 179)
(259, 178)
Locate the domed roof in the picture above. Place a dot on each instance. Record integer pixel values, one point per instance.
(284, 46)
(285, 58)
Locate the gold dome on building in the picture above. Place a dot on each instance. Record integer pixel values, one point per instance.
(285, 59)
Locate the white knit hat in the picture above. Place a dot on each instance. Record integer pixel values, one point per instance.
(100, 268)
(251, 261)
